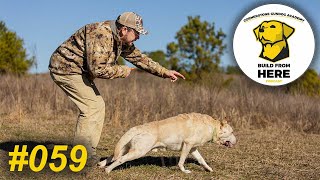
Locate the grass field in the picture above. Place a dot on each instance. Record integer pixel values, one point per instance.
(278, 133)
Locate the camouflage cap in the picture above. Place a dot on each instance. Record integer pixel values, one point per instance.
(132, 20)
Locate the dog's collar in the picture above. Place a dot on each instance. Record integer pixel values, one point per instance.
(214, 135)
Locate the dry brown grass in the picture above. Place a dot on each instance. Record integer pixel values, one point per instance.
(142, 98)
(278, 132)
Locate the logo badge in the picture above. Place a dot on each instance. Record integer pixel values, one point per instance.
(273, 44)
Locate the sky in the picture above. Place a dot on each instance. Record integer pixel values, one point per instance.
(44, 25)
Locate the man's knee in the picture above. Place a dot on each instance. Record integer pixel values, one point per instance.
(93, 108)
(99, 107)
(102, 104)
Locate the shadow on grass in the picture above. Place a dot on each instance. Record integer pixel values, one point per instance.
(151, 160)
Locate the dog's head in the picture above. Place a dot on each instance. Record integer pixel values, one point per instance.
(225, 135)
(270, 32)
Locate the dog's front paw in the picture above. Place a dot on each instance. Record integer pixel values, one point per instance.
(209, 169)
(186, 171)
(102, 164)
(108, 170)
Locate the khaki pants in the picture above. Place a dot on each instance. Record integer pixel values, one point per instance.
(86, 96)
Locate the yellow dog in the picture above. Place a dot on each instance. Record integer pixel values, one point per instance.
(273, 36)
(185, 133)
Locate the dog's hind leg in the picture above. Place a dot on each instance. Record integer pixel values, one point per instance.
(140, 145)
(106, 161)
(195, 153)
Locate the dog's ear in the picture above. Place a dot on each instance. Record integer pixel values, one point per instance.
(256, 31)
(223, 123)
(287, 30)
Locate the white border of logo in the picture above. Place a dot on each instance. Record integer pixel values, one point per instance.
(247, 48)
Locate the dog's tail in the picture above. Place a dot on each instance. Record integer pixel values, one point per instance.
(122, 145)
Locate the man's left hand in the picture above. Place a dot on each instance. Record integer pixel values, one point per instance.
(173, 75)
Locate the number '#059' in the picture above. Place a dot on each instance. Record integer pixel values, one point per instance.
(57, 154)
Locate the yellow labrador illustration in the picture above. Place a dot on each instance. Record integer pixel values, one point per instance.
(184, 133)
(273, 36)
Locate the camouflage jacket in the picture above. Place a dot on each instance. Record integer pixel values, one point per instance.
(94, 50)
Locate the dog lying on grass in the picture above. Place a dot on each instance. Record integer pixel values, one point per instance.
(183, 133)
